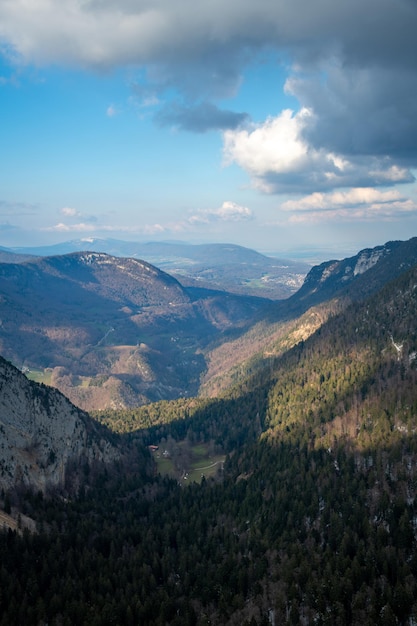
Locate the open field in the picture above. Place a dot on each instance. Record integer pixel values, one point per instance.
(39, 376)
(189, 465)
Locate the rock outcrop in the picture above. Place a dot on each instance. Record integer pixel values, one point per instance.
(45, 441)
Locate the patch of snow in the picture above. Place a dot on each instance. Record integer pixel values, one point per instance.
(94, 257)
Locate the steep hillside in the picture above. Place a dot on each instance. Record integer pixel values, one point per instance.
(327, 289)
(356, 378)
(311, 520)
(357, 276)
(108, 331)
(45, 441)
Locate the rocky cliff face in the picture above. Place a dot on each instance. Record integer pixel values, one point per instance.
(360, 275)
(42, 434)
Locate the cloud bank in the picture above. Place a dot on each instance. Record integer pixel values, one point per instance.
(110, 33)
(228, 212)
(364, 204)
(351, 67)
(280, 158)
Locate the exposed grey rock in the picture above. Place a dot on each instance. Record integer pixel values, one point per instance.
(42, 433)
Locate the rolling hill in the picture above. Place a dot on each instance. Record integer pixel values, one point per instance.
(225, 267)
(109, 331)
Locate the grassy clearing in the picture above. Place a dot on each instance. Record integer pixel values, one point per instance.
(197, 470)
(39, 376)
(165, 466)
(191, 467)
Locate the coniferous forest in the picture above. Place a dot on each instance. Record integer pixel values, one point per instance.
(310, 519)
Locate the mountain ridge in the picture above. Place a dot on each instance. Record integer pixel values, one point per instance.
(109, 330)
(327, 288)
(311, 518)
(228, 267)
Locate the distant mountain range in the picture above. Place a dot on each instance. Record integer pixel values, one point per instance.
(117, 332)
(228, 267)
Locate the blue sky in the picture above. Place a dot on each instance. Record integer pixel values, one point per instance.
(282, 125)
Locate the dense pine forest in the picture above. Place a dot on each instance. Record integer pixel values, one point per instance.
(310, 518)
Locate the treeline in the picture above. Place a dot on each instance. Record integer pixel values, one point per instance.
(307, 536)
(314, 520)
(227, 422)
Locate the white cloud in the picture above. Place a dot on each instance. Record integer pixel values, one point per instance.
(279, 158)
(228, 212)
(365, 204)
(66, 228)
(152, 229)
(275, 145)
(232, 211)
(352, 197)
(70, 212)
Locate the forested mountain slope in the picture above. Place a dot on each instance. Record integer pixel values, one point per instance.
(358, 371)
(315, 520)
(312, 521)
(327, 289)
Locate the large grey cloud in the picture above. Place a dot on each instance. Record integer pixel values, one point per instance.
(199, 118)
(353, 68)
(210, 33)
(280, 159)
(366, 111)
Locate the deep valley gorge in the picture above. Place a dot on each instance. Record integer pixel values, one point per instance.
(173, 452)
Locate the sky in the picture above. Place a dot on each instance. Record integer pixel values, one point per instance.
(288, 126)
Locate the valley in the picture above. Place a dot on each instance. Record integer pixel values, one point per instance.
(111, 332)
(281, 489)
